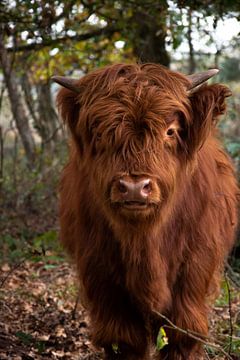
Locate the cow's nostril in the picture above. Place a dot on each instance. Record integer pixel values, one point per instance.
(122, 187)
(147, 188)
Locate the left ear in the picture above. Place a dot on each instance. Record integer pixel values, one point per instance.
(207, 103)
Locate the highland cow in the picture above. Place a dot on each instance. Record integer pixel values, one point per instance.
(148, 204)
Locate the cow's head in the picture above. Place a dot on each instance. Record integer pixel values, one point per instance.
(137, 129)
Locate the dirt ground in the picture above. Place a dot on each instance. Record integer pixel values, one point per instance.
(38, 318)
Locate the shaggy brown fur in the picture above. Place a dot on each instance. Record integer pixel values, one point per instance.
(133, 122)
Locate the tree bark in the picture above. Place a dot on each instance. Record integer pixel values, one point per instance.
(1, 158)
(48, 124)
(29, 99)
(192, 64)
(17, 107)
(149, 43)
(42, 111)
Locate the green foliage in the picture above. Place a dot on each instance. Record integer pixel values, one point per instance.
(223, 299)
(28, 209)
(115, 348)
(178, 30)
(162, 339)
(234, 149)
(230, 69)
(56, 37)
(71, 290)
(212, 352)
(13, 249)
(28, 339)
(25, 338)
(217, 7)
(235, 343)
(46, 240)
(228, 333)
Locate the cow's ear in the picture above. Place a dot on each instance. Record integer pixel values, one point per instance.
(68, 107)
(67, 100)
(207, 103)
(69, 110)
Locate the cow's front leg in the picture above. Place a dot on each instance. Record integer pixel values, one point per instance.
(127, 341)
(188, 314)
(119, 328)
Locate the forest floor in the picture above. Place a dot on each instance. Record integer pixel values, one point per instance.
(39, 318)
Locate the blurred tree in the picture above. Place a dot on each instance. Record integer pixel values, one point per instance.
(230, 69)
(192, 63)
(18, 110)
(44, 37)
(218, 8)
(40, 38)
(47, 119)
(144, 26)
(149, 32)
(38, 98)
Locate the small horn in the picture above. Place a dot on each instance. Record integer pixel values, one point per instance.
(200, 78)
(69, 83)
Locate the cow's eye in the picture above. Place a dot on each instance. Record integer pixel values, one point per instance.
(170, 132)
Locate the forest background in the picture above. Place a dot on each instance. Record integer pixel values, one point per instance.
(42, 38)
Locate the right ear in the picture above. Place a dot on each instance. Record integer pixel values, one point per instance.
(69, 108)
(67, 100)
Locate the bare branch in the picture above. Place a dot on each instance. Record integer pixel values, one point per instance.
(106, 31)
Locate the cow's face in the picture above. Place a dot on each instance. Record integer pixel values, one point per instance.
(133, 127)
(131, 147)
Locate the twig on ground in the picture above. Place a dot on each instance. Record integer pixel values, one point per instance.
(192, 335)
(230, 312)
(233, 276)
(18, 265)
(75, 306)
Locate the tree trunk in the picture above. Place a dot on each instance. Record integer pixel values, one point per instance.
(17, 106)
(42, 111)
(1, 158)
(218, 53)
(192, 64)
(29, 99)
(149, 43)
(47, 124)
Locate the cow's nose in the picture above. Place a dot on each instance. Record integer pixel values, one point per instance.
(135, 191)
